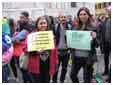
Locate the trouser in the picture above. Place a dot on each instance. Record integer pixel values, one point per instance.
(14, 62)
(109, 75)
(77, 63)
(5, 73)
(107, 51)
(43, 76)
(63, 58)
(27, 77)
(102, 48)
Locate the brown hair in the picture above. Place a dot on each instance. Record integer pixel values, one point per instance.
(79, 23)
(38, 19)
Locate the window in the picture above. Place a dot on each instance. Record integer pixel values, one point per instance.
(96, 6)
(73, 4)
(104, 4)
(99, 6)
(109, 3)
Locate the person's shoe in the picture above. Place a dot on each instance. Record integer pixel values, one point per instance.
(12, 80)
(17, 79)
(93, 81)
(61, 81)
(54, 81)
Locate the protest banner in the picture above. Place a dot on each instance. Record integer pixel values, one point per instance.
(79, 39)
(43, 40)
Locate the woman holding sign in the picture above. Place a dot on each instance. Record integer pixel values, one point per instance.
(42, 63)
(83, 57)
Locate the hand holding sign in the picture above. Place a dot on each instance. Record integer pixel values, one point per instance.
(93, 34)
(40, 51)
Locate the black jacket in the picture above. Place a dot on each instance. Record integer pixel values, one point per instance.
(94, 44)
(56, 31)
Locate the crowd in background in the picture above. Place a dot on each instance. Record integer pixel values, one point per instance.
(43, 66)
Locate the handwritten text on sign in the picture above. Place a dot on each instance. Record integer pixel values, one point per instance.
(79, 39)
(43, 40)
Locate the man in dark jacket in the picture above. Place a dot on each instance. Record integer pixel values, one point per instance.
(107, 44)
(63, 51)
(24, 22)
(107, 41)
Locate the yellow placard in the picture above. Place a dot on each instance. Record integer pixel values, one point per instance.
(43, 40)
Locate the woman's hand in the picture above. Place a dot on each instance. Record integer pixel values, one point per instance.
(40, 51)
(94, 35)
(35, 52)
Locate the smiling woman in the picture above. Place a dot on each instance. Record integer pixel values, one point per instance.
(84, 18)
(42, 63)
(83, 57)
(42, 24)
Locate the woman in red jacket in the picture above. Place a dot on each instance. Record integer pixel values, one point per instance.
(42, 64)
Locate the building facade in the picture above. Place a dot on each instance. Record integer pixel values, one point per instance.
(35, 9)
(101, 8)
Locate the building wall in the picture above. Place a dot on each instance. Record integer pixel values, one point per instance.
(100, 8)
(13, 10)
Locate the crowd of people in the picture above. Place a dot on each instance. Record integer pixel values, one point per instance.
(43, 66)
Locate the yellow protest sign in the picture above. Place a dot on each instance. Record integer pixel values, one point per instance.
(43, 40)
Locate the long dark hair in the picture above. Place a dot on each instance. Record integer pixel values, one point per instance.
(79, 23)
(48, 25)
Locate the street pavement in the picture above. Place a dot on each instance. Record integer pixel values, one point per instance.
(98, 68)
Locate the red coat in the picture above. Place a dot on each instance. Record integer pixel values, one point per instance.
(19, 47)
(34, 63)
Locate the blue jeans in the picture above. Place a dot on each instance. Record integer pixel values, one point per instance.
(5, 73)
